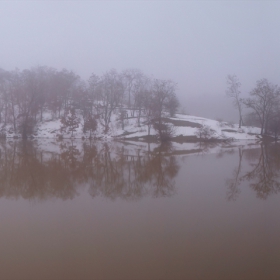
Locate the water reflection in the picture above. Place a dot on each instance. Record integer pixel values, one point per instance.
(151, 239)
(133, 176)
(28, 172)
(234, 182)
(120, 171)
(264, 173)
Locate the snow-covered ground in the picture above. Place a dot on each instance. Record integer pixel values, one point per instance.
(49, 131)
(183, 125)
(221, 128)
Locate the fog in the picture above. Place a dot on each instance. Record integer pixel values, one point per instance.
(194, 43)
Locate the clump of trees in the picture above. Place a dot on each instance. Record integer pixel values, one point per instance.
(264, 103)
(26, 95)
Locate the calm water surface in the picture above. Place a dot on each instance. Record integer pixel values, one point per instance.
(114, 211)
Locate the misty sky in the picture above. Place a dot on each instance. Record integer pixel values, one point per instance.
(195, 43)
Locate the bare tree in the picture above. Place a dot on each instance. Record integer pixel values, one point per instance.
(162, 92)
(148, 107)
(233, 91)
(264, 98)
(93, 91)
(274, 124)
(172, 105)
(12, 100)
(42, 76)
(6, 90)
(28, 102)
(109, 97)
(130, 79)
(141, 94)
(64, 87)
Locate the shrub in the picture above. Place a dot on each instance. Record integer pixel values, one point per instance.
(205, 132)
(164, 131)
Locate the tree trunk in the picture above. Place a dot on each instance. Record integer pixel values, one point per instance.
(240, 116)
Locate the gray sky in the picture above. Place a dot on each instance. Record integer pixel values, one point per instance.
(195, 43)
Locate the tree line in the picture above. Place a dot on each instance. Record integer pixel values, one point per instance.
(263, 102)
(26, 95)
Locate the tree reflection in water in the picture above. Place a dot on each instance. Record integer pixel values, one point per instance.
(264, 176)
(131, 176)
(234, 182)
(109, 171)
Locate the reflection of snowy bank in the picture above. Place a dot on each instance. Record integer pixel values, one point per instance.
(44, 168)
(212, 147)
(54, 147)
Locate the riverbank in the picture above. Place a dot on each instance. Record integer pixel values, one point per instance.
(186, 128)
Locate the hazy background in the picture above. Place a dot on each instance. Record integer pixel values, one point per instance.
(195, 43)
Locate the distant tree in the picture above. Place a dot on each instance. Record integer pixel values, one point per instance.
(42, 77)
(26, 125)
(70, 121)
(142, 93)
(162, 92)
(109, 97)
(274, 124)
(148, 107)
(122, 116)
(172, 105)
(8, 89)
(264, 100)
(131, 78)
(94, 88)
(12, 101)
(251, 119)
(82, 100)
(90, 124)
(4, 91)
(63, 89)
(28, 101)
(233, 92)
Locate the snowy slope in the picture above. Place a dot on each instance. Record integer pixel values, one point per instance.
(219, 127)
(184, 125)
(185, 128)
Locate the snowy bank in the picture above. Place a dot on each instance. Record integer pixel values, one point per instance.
(185, 127)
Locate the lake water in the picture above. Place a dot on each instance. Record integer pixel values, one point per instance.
(117, 211)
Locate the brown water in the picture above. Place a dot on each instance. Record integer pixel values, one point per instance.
(119, 212)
